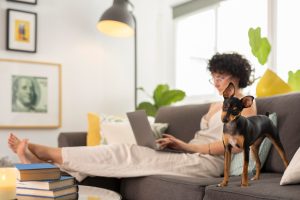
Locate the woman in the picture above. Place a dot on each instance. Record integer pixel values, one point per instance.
(204, 153)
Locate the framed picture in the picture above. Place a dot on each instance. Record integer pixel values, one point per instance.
(21, 29)
(30, 94)
(25, 1)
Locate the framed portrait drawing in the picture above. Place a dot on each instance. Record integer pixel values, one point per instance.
(21, 31)
(34, 2)
(31, 94)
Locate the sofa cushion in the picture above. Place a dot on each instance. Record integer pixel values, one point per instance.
(102, 182)
(165, 187)
(287, 108)
(266, 188)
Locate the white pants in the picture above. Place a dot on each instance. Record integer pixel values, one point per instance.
(127, 160)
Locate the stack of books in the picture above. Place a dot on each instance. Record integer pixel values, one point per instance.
(44, 181)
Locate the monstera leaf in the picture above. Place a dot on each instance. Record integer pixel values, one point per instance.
(260, 47)
(159, 91)
(294, 80)
(162, 96)
(148, 107)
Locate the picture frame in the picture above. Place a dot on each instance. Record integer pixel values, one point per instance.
(21, 31)
(31, 94)
(33, 2)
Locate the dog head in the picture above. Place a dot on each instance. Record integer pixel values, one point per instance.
(233, 106)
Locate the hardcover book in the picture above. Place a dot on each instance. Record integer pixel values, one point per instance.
(47, 193)
(37, 171)
(63, 197)
(47, 184)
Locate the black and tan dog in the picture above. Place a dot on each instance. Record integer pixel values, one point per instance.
(244, 132)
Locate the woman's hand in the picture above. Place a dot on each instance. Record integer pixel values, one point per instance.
(171, 142)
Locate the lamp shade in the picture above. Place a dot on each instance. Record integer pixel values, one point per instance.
(117, 21)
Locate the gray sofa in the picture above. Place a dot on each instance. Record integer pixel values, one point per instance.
(183, 123)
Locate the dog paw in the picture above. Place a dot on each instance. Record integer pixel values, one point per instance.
(254, 178)
(222, 184)
(244, 185)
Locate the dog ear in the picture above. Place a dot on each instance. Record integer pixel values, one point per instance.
(247, 101)
(229, 91)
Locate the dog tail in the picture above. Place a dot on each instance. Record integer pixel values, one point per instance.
(267, 114)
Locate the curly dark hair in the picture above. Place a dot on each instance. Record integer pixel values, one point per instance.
(233, 64)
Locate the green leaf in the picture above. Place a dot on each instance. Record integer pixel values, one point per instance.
(162, 96)
(294, 80)
(254, 39)
(260, 47)
(170, 97)
(148, 107)
(159, 91)
(264, 51)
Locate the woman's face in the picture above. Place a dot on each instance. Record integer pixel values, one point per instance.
(221, 81)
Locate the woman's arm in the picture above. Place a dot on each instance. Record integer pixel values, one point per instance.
(213, 148)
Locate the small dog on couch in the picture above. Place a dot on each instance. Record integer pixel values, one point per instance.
(242, 132)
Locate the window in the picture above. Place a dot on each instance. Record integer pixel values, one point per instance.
(288, 40)
(195, 43)
(220, 28)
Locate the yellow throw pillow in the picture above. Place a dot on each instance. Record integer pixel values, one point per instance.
(93, 135)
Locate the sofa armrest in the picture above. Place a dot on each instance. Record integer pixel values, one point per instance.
(71, 139)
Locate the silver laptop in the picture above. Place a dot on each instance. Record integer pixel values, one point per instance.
(142, 131)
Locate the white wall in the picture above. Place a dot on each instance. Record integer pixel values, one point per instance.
(97, 71)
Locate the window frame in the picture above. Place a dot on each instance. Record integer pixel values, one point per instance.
(271, 34)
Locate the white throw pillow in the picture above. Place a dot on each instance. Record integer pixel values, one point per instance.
(117, 133)
(158, 129)
(117, 129)
(292, 173)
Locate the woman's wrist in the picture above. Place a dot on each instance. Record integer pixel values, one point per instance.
(188, 148)
(209, 149)
(191, 148)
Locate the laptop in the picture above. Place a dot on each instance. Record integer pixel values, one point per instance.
(142, 131)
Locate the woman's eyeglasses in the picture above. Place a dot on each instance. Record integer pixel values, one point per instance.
(217, 79)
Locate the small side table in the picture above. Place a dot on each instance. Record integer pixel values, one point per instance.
(95, 193)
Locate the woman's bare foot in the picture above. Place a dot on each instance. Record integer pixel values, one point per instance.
(20, 147)
(22, 151)
(34, 153)
(13, 142)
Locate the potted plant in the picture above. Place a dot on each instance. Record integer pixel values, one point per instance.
(162, 96)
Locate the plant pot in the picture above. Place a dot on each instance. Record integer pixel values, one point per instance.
(271, 84)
